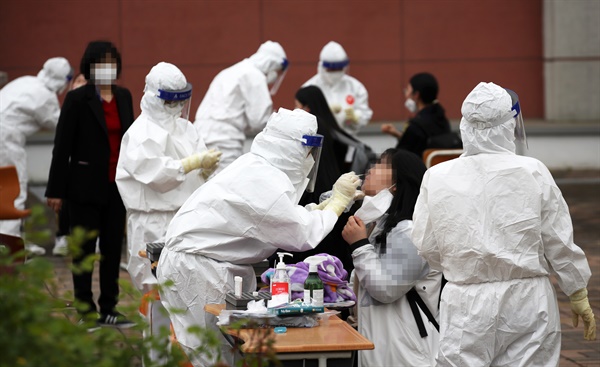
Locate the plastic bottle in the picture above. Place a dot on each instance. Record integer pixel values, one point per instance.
(313, 285)
(281, 283)
(238, 286)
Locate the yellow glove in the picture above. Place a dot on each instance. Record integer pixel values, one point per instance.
(207, 172)
(343, 192)
(580, 306)
(205, 159)
(351, 118)
(335, 108)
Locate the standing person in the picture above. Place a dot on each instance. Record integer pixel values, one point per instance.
(158, 169)
(429, 119)
(497, 225)
(238, 101)
(83, 168)
(392, 277)
(240, 217)
(28, 104)
(347, 97)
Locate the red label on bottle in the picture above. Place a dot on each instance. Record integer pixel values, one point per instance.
(349, 99)
(279, 288)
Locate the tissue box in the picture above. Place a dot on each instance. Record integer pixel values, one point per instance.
(234, 303)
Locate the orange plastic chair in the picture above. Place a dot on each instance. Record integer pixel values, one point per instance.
(9, 190)
(433, 156)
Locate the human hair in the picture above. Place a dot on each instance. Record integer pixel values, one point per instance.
(426, 85)
(407, 174)
(94, 53)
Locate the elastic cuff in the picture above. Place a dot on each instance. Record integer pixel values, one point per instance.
(358, 244)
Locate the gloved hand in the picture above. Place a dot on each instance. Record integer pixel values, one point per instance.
(343, 192)
(207, 172)
(351, 117)
(580, 306)
(335, 108)
(205, 159)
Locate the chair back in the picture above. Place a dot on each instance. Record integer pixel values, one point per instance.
(433, 156)
(14, 244)
(9, 190)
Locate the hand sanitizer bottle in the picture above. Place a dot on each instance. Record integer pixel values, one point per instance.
(313, 285)
(280, 283)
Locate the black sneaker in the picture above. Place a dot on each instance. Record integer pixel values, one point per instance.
(115, 320)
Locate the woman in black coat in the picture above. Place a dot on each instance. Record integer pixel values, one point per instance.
(92, 122)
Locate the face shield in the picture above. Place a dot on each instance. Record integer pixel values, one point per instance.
(275, 77)
(68, 82)
(520, 136)
(314, 143)
(177, 100)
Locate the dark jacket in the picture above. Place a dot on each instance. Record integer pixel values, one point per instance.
(80, 158)
(428, 122)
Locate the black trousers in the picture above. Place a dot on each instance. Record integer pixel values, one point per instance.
(108, 219)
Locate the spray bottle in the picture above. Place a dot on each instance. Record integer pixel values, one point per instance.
(313, 285)
(281, 283)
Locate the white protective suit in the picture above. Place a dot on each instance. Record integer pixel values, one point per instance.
(341, 90)
(238, 102)
(384, 314)
(497, 225)
(240, 217)
(28, 104)
(151, 179)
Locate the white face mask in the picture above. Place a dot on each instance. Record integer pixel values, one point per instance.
(374, 207)
(332, 77)
(104, 74)
(411, 105)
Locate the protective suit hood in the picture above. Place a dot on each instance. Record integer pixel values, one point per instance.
(56, 73)
(334, 56)
(280, 143)
(487, 125)
(162, 76)
(269, 57)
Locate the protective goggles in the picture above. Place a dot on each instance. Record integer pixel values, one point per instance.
(337, 65)
(520, 136)
(315, 144)
(180, 98)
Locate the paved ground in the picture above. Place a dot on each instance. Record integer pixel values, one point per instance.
(581, 190)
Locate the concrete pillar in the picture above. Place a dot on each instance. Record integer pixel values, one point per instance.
(572, 59)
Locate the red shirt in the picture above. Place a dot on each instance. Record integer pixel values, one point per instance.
(113, 125)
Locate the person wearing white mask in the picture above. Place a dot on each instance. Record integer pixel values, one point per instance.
(398, 293)
(497, 225)
(429, 117)
(28, 104)
(238, 101)
(162, 162)
(347, 97)
(92, 122)
(243, 215)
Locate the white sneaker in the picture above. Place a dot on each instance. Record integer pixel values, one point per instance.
(35, 249)
(60, 246)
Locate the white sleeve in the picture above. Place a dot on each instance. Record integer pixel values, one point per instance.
(47, 113)
(144, 162)
(258, 105)
(389, 276)
(422, 234)
(567, 260)
(361, 105)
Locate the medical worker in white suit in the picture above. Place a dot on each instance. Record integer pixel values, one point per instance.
(243, 215)
(496, 224)
(162, 162)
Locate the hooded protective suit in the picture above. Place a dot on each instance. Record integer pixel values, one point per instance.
(238, 102)
(240, 217)
(497, 225)
(347, 97)
(28, 104)
(150, 175)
